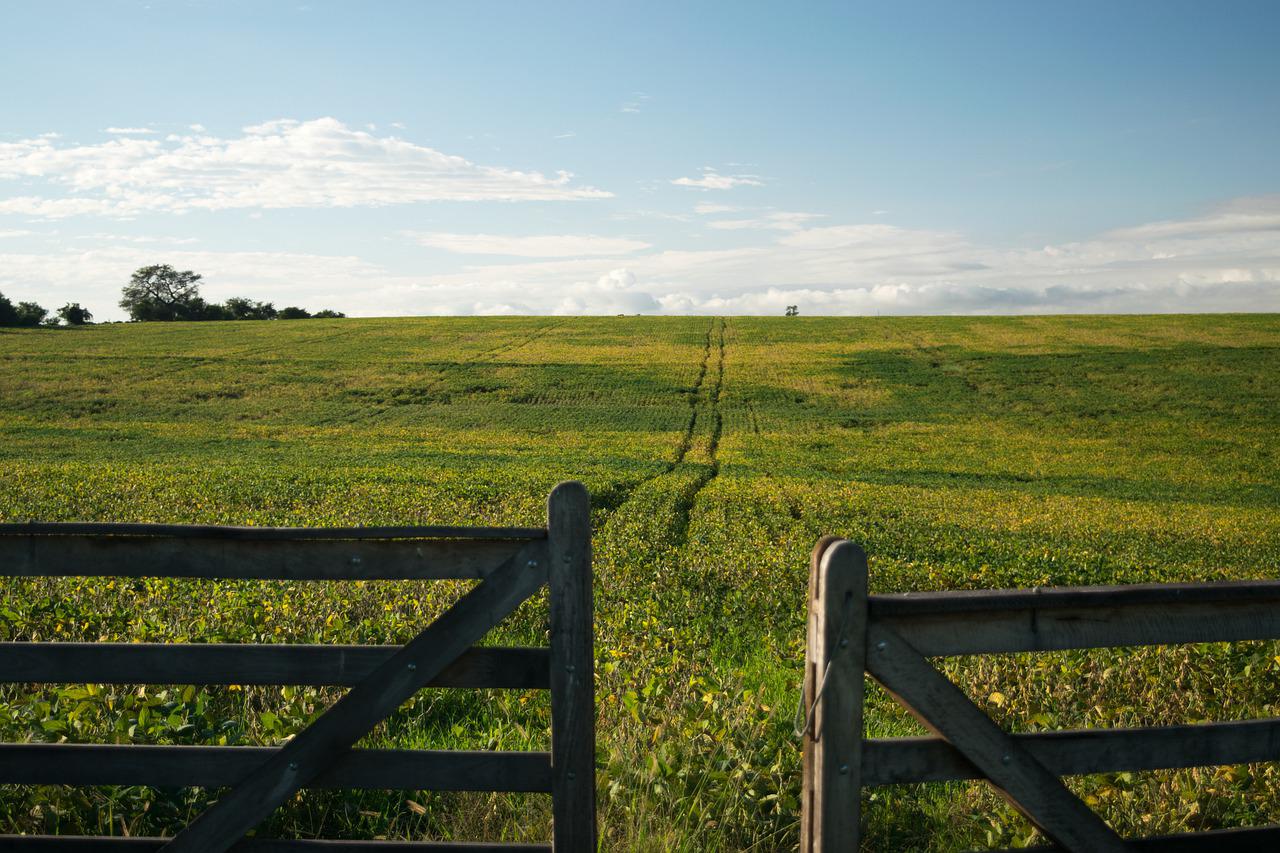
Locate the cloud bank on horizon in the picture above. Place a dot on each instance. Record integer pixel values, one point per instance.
(1227, 259)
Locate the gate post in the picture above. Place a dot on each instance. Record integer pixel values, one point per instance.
(835, 660)
(573, 744)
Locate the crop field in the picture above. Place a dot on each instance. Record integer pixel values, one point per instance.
(961, 452)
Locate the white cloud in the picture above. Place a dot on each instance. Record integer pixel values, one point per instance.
(569, 135)
(1221, 261)
(129, 131)
(636, 102)
(16, 232)
(713, 180)
(614, 292)
(777, 221)
(707, 208)
(278, 164)
(539, 246)
(140, 239)
(198, 128)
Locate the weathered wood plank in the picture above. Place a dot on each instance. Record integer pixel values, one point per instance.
(944, 709)
(244, 663)
(224, 766)
(572, 670)
(313, 750)
(837, 648)
(971, 601)
(258, 534)
(1101, 624)
(103, 844)
(1261, 839)
(273, 559)
(890, 761)
(807, 690)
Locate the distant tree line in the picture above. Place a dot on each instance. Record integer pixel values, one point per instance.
(159, 292)
(33, 314)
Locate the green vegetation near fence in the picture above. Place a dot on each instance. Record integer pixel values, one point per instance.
(961, 452)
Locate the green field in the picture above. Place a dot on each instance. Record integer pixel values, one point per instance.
(961, 452)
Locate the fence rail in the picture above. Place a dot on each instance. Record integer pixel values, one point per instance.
(890, 637)
(511, 564)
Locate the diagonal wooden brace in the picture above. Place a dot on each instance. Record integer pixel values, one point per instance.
(315, 748)
(943, 708)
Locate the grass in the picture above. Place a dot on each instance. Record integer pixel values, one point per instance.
(961, 452)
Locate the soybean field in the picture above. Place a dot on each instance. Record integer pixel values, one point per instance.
(961, 452)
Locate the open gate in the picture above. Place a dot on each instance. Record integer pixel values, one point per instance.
(511, 564)
(891, 638)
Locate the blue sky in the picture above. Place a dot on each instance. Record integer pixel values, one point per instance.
(417, 158)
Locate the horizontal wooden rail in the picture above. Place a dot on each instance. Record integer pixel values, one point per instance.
(222, 766)
(259, 534)
(1252, 839)
(253, 559)
(244, 663)
(996, 621)
(893, 761)
(102, 844)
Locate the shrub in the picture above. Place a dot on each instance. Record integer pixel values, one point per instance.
(74, 315)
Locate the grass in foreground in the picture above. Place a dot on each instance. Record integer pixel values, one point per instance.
(961, 452)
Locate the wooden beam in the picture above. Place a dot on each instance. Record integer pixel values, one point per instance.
(973, 601)
(271, 559)
(1251, 839)
(258, 534)
(833, 731)
(573, 753)
(996, 621)
(947, 711)
(224, 766)
(245, 663)
(808, 688)
(104, 844)
(314, 749)
(891, 761)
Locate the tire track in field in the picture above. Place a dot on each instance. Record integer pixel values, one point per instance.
(694, 394)
(612, 501)
(512, 346)
(447, 369)
(686, 501)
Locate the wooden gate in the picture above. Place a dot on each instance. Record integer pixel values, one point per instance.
(511, 565)
(891, 637)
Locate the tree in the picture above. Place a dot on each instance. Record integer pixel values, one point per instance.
(73, 315)
(159, 292)
(30, 314)
(8, 314)
(292, 312)
(327, 314)
(793, 310)
(246, 309)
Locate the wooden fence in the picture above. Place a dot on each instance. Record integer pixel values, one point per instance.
(891, 638)
(511, 563)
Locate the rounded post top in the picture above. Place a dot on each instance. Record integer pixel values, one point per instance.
(568, 498)
(838, 562)
(815, 557)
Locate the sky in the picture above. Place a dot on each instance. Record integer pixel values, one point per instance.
(420, 158)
